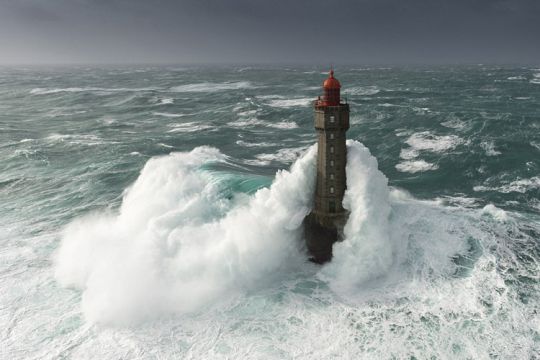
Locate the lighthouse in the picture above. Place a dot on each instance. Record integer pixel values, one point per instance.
(324, 225)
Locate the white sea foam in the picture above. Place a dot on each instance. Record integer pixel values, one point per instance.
(402, 132)
(408, 153)
(175, 245)
(169, 115)
(256, 162)
(366, 251)
(246, 122)
(252, 144)
(535, 79)
(414, 166)
(361, 90)
(409, 272)
(462, 201)
(519, 185)
(519, 77)
(425, 141)
(283, 125)
(283, 155)
(495, 212)
(46, 91)
(76, 139)
(489, 147)
(213, 87)
(166, 145)
(271, 96)
(166, 101)
(288, 103)
(454, 123)
(189, 127)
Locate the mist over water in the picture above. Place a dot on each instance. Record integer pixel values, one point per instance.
(157, 212)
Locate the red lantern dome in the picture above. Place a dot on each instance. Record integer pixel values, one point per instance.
(331, 87)
(331, 82)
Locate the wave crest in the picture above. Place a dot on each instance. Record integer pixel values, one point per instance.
(178, 242)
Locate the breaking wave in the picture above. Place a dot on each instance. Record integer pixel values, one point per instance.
(212, 87)
(290, 103)
(179, 241)
(183, 239)
(414, 166)
(366, 251)
(47, 91)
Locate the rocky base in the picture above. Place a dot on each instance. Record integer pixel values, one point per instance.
(321, 233)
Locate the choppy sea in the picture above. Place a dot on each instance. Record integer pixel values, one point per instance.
(155, 213)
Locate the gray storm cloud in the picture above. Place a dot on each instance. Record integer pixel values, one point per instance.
(242, 31)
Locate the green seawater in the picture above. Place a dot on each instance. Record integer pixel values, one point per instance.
(460, 147)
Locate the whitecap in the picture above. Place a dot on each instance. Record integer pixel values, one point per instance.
(178, 243)
(495, 212)
(289, 103)
(243, 122)
(426, 141)
(189, 127)
(519, 185)
(166, 101)
(414, 166)
(454, 123)
(462, 201)
(366, 251)
(76, 139)
(213, 87)
(362, 90)
(283, 155)
(257, 162)
(489, 147)
(169, 115)
(166, 145)
(408, 153)
(283, 125)
(46, 91)
(252, 144)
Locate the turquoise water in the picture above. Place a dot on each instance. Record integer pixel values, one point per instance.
(451, 272)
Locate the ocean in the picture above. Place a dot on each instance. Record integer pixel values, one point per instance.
(154, 212)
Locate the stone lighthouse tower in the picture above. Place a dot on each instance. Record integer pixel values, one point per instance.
(324, 225)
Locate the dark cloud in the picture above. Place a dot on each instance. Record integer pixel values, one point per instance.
(316, 31)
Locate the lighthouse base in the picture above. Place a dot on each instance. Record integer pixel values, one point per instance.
(321, 232)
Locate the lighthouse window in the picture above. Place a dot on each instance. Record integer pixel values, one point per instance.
(331, 189)
(332, 207)
(332, 118)
(331, 176)
(331, 136)
(331, 162)
(331, 149)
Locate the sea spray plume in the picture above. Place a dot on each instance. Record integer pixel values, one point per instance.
(178, 244)
(366, 251)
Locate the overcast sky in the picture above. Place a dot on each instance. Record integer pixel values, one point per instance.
(270, 31)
